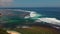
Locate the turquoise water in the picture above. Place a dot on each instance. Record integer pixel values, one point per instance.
(14, 17)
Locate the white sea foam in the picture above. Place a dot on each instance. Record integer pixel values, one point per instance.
(35, 15)
(32, 14)
(49, 20)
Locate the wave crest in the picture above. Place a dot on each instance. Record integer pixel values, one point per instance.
(49, 20)
(32, 14)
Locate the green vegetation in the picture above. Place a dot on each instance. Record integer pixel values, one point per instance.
(3, 31)
(37, 30)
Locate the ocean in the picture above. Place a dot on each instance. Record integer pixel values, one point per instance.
(52, 12)
(49, 15)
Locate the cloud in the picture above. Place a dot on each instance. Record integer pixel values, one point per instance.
(5, 3)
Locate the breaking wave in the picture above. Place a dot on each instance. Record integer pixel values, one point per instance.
(32, 15)
(49, 20)
(35, 15)
(38, 18)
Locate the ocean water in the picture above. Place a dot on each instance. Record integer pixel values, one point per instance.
(46, 11)
(13, 16)
(47, 14)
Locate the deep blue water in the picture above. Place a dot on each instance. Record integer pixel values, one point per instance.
(53, 12)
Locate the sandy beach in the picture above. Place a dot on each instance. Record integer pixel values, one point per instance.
(13, 32)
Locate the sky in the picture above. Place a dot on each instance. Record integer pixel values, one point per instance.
(29, 3)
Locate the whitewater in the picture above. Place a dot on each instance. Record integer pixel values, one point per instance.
(35, 15)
